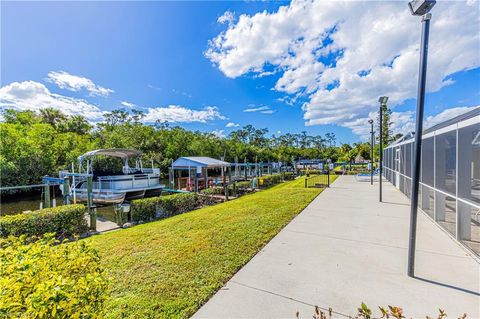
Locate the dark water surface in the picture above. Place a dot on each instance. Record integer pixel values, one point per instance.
(17, 204)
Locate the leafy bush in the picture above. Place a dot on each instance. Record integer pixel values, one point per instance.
(64, 221)
(215, 190)
(46, 280)
(269, 180)
(147, 209)
(288, 176)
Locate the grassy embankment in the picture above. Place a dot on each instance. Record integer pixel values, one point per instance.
(169, 268)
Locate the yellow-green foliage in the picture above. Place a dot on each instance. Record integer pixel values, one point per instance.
(45, 279)
(64, 221)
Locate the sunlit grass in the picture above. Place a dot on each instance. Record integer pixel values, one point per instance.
(169, 268)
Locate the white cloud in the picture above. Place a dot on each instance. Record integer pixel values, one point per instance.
(31, 95)
(128, 104)
(252, 108)
(404, 122)
(219, 133)
(227, 18)
(76, 83)
(268, 112)
(446, 115)
(180, 114)
(182, 93)
(340, 56)
(231, 124)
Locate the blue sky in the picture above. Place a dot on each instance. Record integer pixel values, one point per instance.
(154, 54)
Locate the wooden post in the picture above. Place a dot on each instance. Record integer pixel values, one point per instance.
(66, 191)
(46, 197)
(206, 178)
(196, 180)
(91, 212)
(225, 188)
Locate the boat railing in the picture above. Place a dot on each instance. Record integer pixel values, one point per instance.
(124, 182)
(130, 170)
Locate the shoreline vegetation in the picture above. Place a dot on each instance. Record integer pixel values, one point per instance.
(171, 267)
(35, 144)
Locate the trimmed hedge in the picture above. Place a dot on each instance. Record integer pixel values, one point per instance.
(288, 176)
(148, 209)
(270, 180)
(46, 280)
(63, 221)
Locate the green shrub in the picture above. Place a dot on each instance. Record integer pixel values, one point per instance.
(215, 190)
(288, 176)
(147, 209)
(63, 221)
(46, 280)
(270, 180)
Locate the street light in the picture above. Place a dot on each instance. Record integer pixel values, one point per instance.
(418, 8)
(383, 102)
(371, 151)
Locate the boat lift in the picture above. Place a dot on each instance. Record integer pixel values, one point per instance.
(64, 181)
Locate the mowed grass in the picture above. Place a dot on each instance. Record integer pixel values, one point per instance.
(169, 268)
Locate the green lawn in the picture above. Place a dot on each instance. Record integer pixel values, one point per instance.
(169, 268)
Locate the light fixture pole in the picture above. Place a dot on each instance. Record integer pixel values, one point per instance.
(383, 102)
(371, 151)
(418, 8)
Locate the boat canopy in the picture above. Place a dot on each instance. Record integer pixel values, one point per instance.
(199, 161)
(115, 152)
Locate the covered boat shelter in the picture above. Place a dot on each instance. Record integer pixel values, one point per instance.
(193, 173)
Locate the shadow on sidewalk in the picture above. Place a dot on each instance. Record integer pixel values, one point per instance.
(475, 293)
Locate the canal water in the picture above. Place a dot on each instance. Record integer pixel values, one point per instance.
(23, 202)
(16, 204)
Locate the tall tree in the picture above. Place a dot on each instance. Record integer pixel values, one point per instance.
(387, 135)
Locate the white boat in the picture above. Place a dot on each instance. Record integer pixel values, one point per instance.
(114, 187)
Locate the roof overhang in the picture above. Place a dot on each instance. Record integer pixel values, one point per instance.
(208, 162)
(122, 153)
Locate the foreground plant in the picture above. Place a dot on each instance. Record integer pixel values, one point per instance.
(364, 312)
(46, 279)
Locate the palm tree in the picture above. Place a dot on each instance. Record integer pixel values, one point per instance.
(52, 116)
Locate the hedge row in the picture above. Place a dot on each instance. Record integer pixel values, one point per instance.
(63, 221)
(148, 209)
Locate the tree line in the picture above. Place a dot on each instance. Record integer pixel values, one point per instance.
(35, 144)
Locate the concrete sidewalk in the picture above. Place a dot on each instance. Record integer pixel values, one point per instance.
(345, 248)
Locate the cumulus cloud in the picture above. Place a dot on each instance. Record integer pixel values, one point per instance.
(404, 122)
(340, 56)
(446, 115)
(128, 104)
(227, 18)
(180, 114)
(31, 95)
(232, 124)
(76, 83)
(219, 133)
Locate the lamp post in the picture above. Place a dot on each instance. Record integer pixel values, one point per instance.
(418, 8)
(383, 102)
(371, 150)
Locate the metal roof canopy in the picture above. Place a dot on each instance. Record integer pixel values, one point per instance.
(114, 152)
(462, 117)
(199, 161)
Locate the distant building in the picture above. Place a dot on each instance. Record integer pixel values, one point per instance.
(359, 159)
